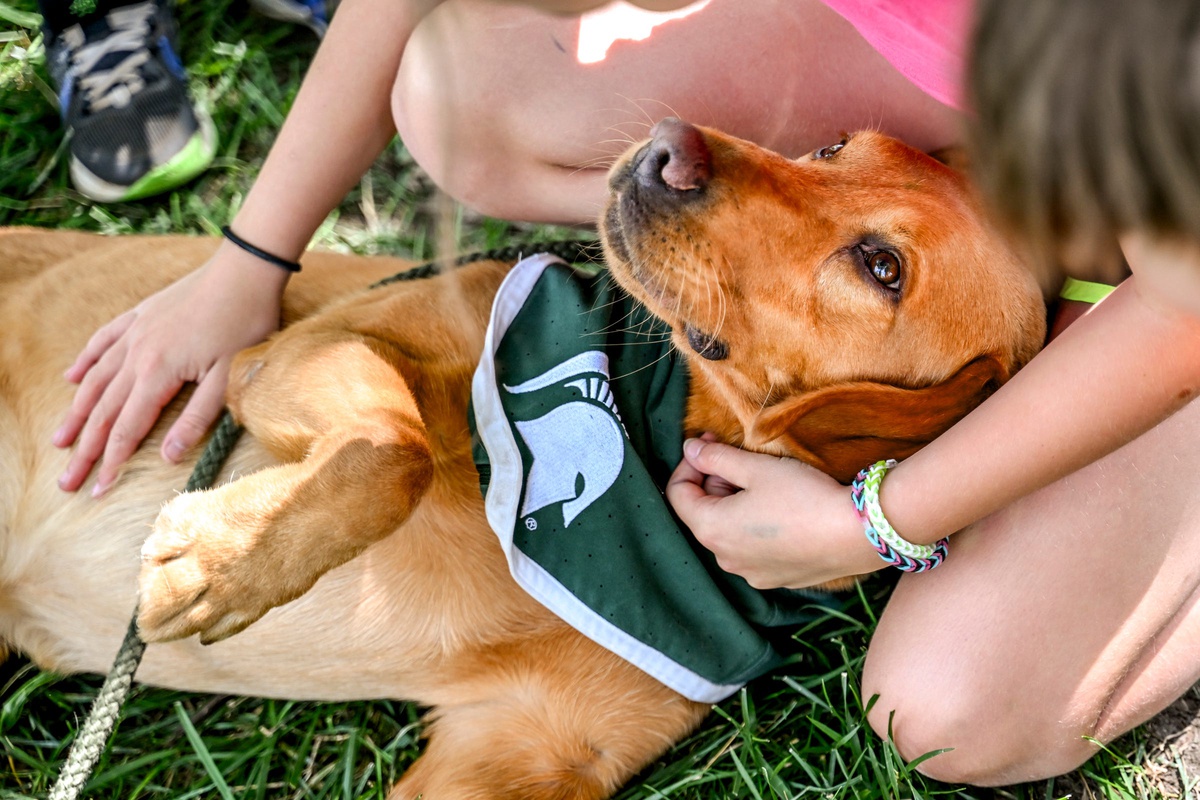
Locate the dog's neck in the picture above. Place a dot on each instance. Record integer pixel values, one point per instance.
(724, 412)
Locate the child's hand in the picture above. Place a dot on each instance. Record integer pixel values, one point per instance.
(133, 366)
(788, 525)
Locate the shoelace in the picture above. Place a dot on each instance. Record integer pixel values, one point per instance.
(115, 86)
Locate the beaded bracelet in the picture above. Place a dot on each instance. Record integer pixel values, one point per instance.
(290, 266)
(893, 548)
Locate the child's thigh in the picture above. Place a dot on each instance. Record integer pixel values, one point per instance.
(1072, 613)
(486, 90)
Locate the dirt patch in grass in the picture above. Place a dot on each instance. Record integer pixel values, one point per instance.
(1173, 747)
(1158, 761)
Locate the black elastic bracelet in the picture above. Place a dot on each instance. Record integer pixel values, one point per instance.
(290, 266)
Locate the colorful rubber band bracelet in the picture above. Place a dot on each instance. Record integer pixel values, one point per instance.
(283, 263)
(893, 548)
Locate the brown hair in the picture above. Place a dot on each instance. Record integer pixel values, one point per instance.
(1088, 117)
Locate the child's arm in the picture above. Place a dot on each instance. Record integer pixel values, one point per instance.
(1115, 373)
(133, 366)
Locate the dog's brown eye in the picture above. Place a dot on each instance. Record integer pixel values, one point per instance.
(885, 267)
(826, 152)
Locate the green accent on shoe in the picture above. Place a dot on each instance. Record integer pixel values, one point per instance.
(194, 158)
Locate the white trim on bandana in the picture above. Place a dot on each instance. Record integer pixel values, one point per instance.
(504, 491)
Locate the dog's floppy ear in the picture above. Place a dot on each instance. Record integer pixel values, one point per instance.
(843, 428)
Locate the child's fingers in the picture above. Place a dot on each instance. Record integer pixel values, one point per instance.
(201, 411)
(98, 345)
(92, 387)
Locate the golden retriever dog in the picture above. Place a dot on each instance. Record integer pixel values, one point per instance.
(839, 308)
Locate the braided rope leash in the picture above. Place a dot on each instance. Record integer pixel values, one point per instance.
(893, 548)
(573, 251)
(89, 744)
(92, 738)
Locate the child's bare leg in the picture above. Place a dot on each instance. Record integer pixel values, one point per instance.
(1074, 613)
(494, 103)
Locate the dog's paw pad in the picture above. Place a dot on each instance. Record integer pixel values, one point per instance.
(171, 599)
(226, 626)
(186, 583)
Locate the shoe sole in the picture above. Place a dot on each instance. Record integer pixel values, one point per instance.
(190, 161)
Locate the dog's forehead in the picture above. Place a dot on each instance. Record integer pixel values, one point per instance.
(871, 161)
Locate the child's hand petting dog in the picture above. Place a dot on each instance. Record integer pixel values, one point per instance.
(134, 365)
(728, 506)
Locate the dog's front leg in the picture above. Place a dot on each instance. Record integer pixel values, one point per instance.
(335, 406)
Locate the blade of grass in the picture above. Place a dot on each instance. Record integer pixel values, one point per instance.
(202, 753)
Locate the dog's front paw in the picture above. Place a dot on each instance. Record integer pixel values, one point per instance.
(206, 570)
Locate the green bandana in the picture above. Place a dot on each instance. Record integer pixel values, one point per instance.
(578, 403)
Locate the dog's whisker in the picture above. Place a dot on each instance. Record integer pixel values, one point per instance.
(598, 164)
(597, 208)
(583, 168)
(605, 160)
(611, 303)
(616, 126)
(708, 292)
(649, 123)
(617, 326)
(623, 136)
(644, 339)
(624, 141)
(632, 110)
(767, 398)
(671, 112)
(670, 108)
(601, 306)
(722, 305)
(643, 328)
(650, 365)
(750, 431)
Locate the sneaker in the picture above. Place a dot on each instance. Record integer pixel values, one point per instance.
(313, 14)
(123, 97)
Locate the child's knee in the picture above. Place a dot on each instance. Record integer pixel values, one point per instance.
(458, 115)
(476, 155)
(979, 737)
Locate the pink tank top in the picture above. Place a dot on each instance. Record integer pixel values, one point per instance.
(925, 40)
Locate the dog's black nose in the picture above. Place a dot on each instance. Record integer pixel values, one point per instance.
(677, 157)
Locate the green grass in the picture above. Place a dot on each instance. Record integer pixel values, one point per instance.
(800, 733)
(245, 71)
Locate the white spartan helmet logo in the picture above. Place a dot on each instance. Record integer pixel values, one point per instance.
(574, 439)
